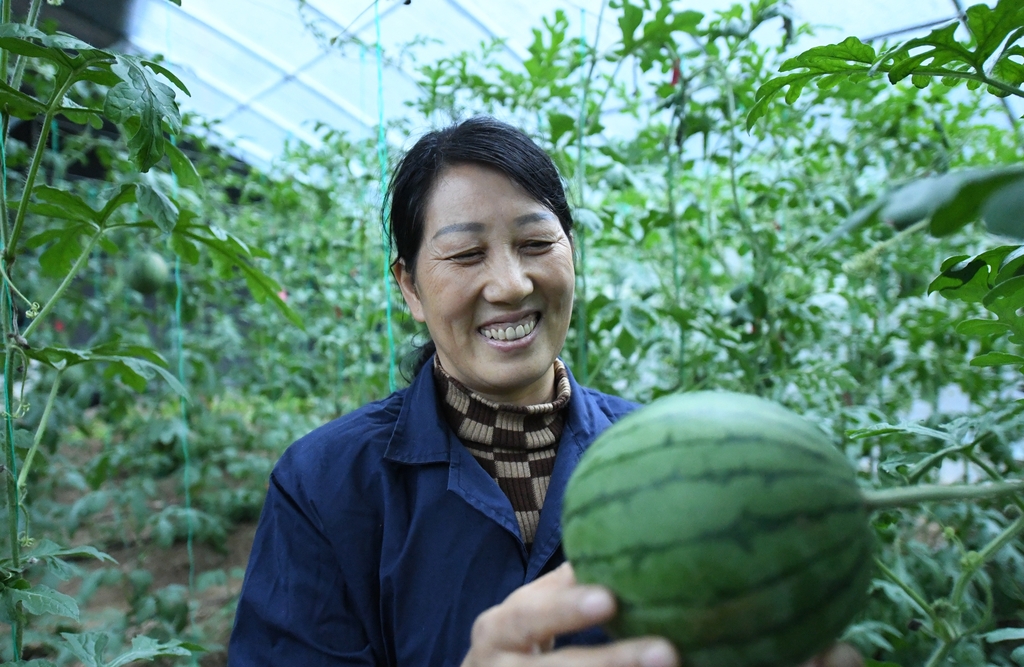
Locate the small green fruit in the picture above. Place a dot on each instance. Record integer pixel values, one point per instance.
(148, 273)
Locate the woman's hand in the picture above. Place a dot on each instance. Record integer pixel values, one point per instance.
(521, 630)
(840, 655)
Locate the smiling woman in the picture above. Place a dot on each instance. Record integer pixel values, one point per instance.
(424, 529)
(493, 283)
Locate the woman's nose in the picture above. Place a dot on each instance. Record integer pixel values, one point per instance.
(507, 282)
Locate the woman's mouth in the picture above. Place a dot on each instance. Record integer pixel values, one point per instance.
(511, 331)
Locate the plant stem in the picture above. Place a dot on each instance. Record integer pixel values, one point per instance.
(37, 159)
(581, 177)
(79, 263)
(12, 460)
(40, 431)
(929, 462)
(19, 61)
(998, 85)
(7, 325)
(978, 559)
(994, 474)
(10, 284)
(912, 594)
(939, 654)
(876, 499)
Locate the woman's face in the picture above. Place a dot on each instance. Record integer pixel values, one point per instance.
(494, 284)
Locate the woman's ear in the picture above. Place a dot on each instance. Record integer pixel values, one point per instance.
(407, 283)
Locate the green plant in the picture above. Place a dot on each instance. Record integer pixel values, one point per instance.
(83, 85)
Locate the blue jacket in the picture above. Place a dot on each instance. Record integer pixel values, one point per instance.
(382, 539)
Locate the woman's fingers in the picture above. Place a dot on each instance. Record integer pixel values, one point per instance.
(840, 655)
(633, 653)
(521, 630)
(536, 613)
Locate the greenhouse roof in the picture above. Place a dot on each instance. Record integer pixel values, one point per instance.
(265, 69)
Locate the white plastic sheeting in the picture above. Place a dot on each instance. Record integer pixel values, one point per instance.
(266, 70)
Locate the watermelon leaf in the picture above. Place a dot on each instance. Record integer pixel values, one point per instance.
(41, 600)
(1004, 635)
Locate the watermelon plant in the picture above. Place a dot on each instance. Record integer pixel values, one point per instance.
(944, 202)
(42, 219)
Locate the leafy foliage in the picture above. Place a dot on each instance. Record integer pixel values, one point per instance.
(938, 55)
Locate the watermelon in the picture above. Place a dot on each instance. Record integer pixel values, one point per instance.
(148, 273)
(724, 523)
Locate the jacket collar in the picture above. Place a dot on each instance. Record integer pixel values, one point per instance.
(421, 433)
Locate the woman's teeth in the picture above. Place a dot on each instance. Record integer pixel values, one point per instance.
(509, 333)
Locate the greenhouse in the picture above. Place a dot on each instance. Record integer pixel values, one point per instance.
(563, 332)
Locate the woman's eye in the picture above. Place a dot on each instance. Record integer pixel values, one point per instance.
(537, 246)
(467, 256)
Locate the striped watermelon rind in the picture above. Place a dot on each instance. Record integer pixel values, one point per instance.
(725, 523)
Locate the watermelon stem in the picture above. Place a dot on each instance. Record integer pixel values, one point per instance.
(878, 499)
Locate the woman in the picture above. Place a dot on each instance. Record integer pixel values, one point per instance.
(423, 529)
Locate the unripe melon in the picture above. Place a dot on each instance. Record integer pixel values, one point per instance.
(724, 523)
(148, 273)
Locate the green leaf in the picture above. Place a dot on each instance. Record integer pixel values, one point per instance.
(80, 115)
(966, 281)
(991, 25)
(981, 327)
(135, 364)
(862, 216)
(767, 93)
(1010, 266)
(62, 204)
(845, 56)
(631, 18)
(88, 647)
(940, 48)
(125, 195)
(997, 359)
(137, 372)
(18, 104)
(235, 254)
(185, 248)
(1002, 210)
(40, 600)
(973, 190)
(48, 549)
(65, 248)
(560, 124)
(140, 105)
(952, 200)
(183, 168)
(1004, 635)
(147, 648)
(849, 58)
(167, 74)
(1007, 70)
(906, 427)
(158, 206)
(66, 51)
(22, 39)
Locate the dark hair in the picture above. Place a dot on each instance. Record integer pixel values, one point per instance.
(480, 140)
